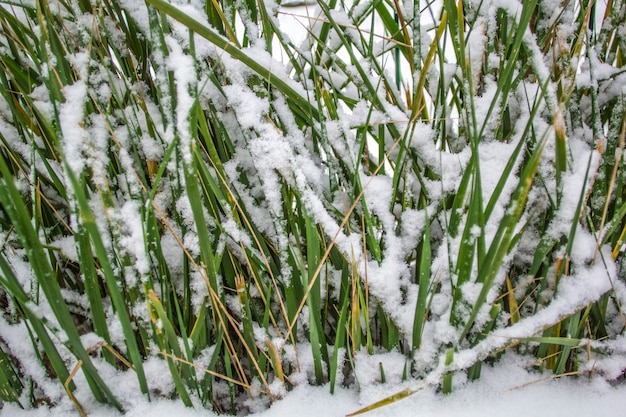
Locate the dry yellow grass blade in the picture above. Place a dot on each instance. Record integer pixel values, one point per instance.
(389, 400)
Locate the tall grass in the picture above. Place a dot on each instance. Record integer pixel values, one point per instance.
(182, 184)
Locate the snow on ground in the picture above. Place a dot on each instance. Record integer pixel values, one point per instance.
(506, 390)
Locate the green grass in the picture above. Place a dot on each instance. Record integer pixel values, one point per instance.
(173, 190)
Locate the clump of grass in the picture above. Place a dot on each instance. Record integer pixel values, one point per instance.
(445, 182)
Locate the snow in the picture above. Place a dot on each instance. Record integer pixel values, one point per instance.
(184, 73)
(71, 125)
(14, 337)
(129, 216)
(504, 390)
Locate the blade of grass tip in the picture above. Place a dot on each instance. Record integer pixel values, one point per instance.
(198, 334)
(389, 330)
(552, 340)
(619, 245)
(275, 358)
(560, 148)
(514, 311)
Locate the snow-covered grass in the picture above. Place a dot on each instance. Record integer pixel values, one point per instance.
(198, 206)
